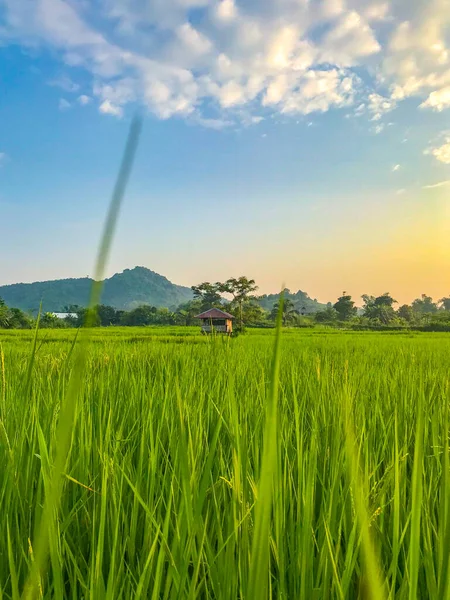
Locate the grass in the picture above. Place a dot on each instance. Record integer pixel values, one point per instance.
(192, 473)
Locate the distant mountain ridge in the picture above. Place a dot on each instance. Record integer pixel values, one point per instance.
(125, 291)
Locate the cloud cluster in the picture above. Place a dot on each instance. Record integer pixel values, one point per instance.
(441, 152)
(219, 61)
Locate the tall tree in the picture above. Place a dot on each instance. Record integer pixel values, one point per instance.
(19, 320)
(424, 305)
(406, 312)
(4, 315)
(379, 308)
(208, 293)
(444, 304)
(241, 289)
(253, 313)
(107, 315)
(345, 307)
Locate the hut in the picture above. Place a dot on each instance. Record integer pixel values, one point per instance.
(216, 320)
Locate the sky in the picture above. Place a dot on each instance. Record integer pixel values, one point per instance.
(303, 143)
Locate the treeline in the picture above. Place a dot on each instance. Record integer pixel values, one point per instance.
(377, 312)
(380, 312)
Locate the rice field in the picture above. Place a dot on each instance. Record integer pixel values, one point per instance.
(157, 463)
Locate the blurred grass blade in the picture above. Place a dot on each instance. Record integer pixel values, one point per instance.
(113, 213)
(47, 532)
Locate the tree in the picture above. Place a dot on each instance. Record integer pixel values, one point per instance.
(140, 316)
(107, 315)
(186, 313)
(444, 304)
(208, 293)
(379, 308)
(19, 320)
(424, 305)
(406, 312)
(289, 311)
(241, 290)
(164, 316)
(4, 315)
(329, 315)
(72, 308)
(49, 321)
(253, 313)
(345, 307)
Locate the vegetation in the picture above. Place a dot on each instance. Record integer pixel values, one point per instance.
(376, 312)
(123, 291)
(241, 291)
(345, 307)
(289, 313)
(186, 477)
(302, 302)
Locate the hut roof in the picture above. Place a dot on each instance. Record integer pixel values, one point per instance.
(214, 313)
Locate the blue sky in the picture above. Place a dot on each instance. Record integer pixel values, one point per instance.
(298, 142)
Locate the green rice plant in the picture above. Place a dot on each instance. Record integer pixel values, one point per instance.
(191, 473)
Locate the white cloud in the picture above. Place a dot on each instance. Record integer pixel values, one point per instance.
(193, 40)
(438, 100)
(333, 8)
(216, 124)
(3, 158)
(400, 192)
(231, 94)
(65, 83)
(244, 58)
(226, 10)
(377, 12)
(441, 153)
(282, 47)
(108, 108)
(83, 99)
(64, 104)
(396, 168)
(434, 186)
(379, 106)
(351, 40)
(416, 60)
(318, 91)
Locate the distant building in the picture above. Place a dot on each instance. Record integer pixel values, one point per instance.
(216, 320)
(59, 315)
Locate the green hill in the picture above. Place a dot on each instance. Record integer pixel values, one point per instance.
(125, 291)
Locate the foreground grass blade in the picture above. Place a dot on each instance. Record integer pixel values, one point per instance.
(47, 536)
(416, 505)
(372, 573)
(259, 563)
(113, 213)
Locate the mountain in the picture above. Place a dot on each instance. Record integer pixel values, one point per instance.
(301, 300)
(125, 291)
